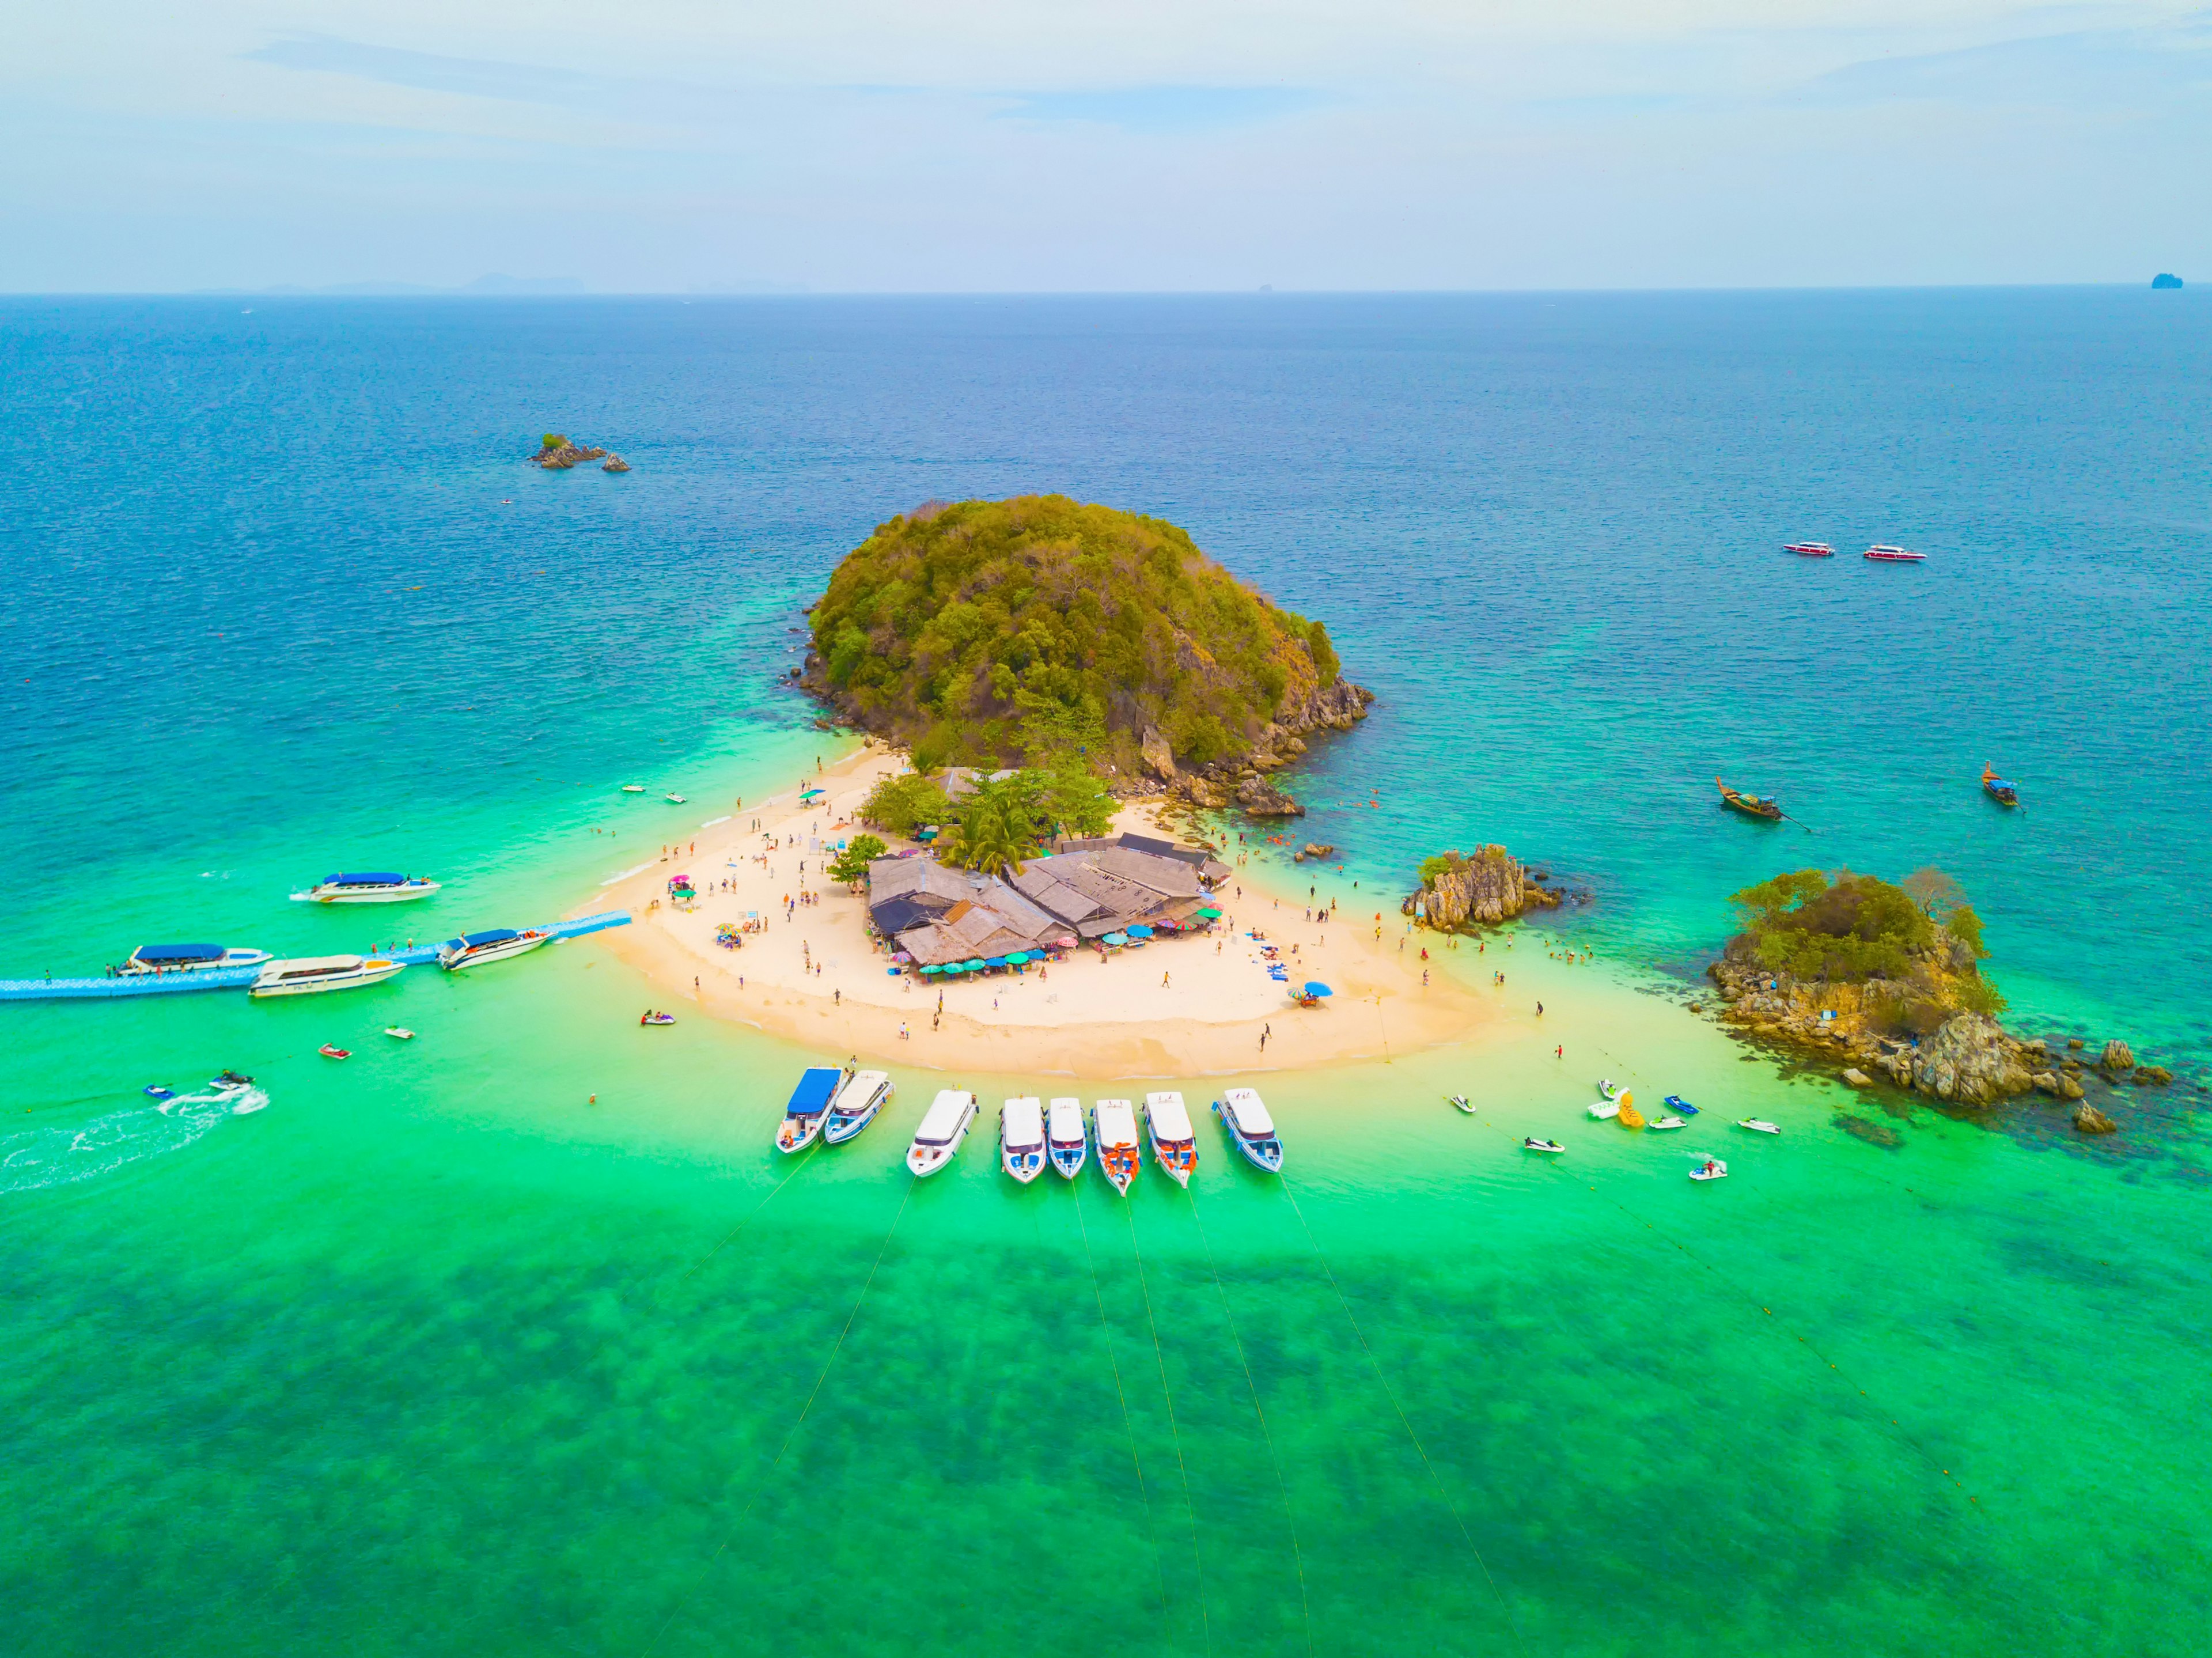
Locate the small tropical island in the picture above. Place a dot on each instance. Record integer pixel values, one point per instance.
(555, 454)
(1889, 977)
(1043, 632)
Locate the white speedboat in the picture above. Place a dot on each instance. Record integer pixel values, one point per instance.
(1173, 1143)
(1606, 1108)
(1021, 1138)
(1757, 1125)
(188, 958)
(633, 789)
(475, 949)
(309, 975)
(374, 887)
(1114, 1125)
(1711, 1169)
(1671, 1122)
(1251, 1129)
(819, 1088)
(856, 1105)
(943, 1126)
(675, 800)
(1066, 1139)
(1530, 1142)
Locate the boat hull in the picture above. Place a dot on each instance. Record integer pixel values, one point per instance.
(797, 1133)
(1070, 1163)
(369, 974)
(496, 953)
(844, 1129)
(407, 894)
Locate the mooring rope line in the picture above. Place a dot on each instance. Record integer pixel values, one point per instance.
(1290, 1519)
(1174, 1432)
(1390, 1393)
(692, 1270)
(1903, 1433)
(1128, 1428)
(791, 1433)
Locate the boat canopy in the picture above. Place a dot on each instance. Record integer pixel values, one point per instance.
(1170, 1120)
(942, 1120)
(165, 954)
(498, 935)
(1248, 1113)
(864, 1087)
(309, 967)
(1067, 1121)
(1024, 1121)
(376, 878)
(817, 1086)
(1117, 1123)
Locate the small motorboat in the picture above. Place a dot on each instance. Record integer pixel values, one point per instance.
(1711, 1169)
(188, 958)
(1021, 1138)
(1251, 1129)
(494, 945)
(675, 800)
(1461, 1101)
(1669, 1122)
(1606, 1108)
(400, 1032)
(656, 1018)
(1114, 1125)
(1998, 789)
(230, 1079)
(1676, 1102)
(314, 976)
(156, 1091)
(856, 1106)
(943, 1126)
(1757, 1125)
(1532, 1143)
(1764, 808)
(809, 1104)
(332, 1051)
(633, 789)
(1066, 1141)
(1810, 549)
(374, 887)
(1884, 554)
(1168, 1122)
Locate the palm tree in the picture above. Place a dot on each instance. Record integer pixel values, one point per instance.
(986, 840)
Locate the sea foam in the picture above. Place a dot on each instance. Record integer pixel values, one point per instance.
(59, 1154)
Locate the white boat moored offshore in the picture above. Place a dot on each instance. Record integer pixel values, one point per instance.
(1114, 1125)
(1173, 1144)
(856, 1105)
(374, 887)
(188, 958)
(943, 1126)
(1066, 1139)
(308, 976)
(1021, 1138)
(819, 1088)
(475, 949)
(633, 789)
(1250, 1128)
(1757, 1125)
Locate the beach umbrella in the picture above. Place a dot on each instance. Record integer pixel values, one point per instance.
(999, 961)
(1315, 987)
(1115, 939)
(1065, 944)
(1209, 916)
(972, 965)
(1140, 931)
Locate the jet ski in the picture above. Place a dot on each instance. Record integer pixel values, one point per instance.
(1532, 1143)
(332, 1051)
(1757, 1125)
(1711, 1169)
(156, 1091)
(230, 1079)
(1461, 1101)
(1676, 1102)
(1669, 1122)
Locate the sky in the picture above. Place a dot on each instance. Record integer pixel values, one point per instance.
(916, 146)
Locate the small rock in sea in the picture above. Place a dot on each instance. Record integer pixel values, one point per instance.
(2152, 1076)
(1858, 1078)
(2074, 1042)
(2060, 1085)
(615, 463)
(1697, 1007)
(2118, 1056)
(1872, 1133)
(2090, 1120)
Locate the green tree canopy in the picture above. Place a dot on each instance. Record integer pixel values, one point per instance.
(903, 804)
(851, 864)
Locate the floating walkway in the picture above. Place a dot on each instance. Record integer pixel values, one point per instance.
(238, 978)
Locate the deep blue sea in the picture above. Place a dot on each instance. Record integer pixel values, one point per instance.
(436, 1354)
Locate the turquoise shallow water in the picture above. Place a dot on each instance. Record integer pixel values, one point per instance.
(432, 1355)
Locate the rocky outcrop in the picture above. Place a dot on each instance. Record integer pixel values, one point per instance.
(1312, 849)
(615, 463)
(1261, 799)
(2090, 1120)
(2152, 1076)
(2059, 1084)
(2118, 1056)
(558, 455)
(1491, 887)
(1971, 1061)
(1336, 707)
(1857, 1078)
(1158, 755)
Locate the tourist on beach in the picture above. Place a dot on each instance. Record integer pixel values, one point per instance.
(1539, 1009)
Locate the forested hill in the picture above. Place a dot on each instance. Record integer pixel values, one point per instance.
(1032, 629)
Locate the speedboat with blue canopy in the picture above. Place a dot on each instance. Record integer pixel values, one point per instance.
(190, 958)
(1250, 1128)
(818, 1091)
(494, 945)
(368, 887)
(856, 1105)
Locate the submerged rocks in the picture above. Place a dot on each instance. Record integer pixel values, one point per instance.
(1857, 1078)
(1312, 849)
(2059, 1084)
(1872, 1133)
(2090, 1120)
(1491, 887)
(2152, 1076)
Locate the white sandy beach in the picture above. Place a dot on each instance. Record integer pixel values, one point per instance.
(1178, 1006)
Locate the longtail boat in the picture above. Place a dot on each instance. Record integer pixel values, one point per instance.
(1751, 805)
(1998, 789)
